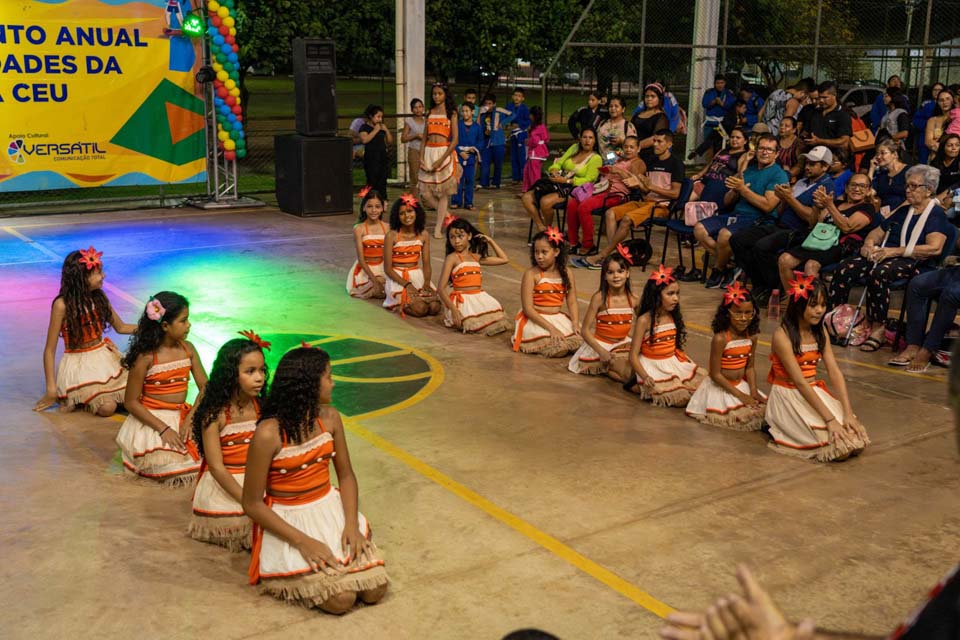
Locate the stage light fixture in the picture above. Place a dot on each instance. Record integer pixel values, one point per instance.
(206, 74)
(192, 25)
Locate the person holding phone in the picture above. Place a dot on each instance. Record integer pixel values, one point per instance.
(613, 132)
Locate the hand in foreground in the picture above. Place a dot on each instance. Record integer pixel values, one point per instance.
(171, 438)
(354, 544)
(319, 557)
(48, 400)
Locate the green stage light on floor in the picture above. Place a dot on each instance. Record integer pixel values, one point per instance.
(192, 25)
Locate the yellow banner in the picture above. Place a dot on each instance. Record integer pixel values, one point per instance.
(93, 93)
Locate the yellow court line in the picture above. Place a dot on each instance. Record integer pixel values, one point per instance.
(326, 340)
(372, 356)
(407, 378)
(523, 527)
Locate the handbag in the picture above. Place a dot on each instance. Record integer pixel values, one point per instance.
(838, 321)
(582, 192)
(822, 237)
(602, 185)
(694, 212)
(862, 140)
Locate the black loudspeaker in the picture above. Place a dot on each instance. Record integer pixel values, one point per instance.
(314, 175)
(314, 86)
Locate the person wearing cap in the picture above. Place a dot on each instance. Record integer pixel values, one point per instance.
(756, 249)
(830, 126)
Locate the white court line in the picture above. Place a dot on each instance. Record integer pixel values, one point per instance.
(192, 214)
(36, 245)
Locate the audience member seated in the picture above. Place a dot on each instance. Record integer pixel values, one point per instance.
(754, 104)
(840, 171)
(854, 216)
(783, 103)
(895, 124)
(942, 285)
(937, 122)
(750, 197)
(888, 175)
(830, 125)
(879, 109)
(660, 185)
(908, 241)
(709, 185)
(756, 249)
(652, 118)
(613, 132)
(622, 176)
(579, 165)
(920, 117)
(946, 161)
(808, 112)
(735, 119)
(791, 147)
(717, 102)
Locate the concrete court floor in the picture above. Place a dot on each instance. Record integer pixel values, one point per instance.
(602, 481)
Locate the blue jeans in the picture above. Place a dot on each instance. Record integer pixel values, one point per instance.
(518, 155)
(943, 284)
(494, 156)
(464, 195)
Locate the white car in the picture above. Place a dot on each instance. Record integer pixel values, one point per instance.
(862, 98)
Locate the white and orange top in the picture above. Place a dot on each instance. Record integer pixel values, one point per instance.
(736, 353)
(614, 325)
(663, 344)
(808, 358)
(373, 243)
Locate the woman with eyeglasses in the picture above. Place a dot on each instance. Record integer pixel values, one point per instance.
(853, 214)
(909, 240)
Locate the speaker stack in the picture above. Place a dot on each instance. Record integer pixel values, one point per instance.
(314, 166)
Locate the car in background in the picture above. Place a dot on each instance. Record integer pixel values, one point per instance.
(862, 98)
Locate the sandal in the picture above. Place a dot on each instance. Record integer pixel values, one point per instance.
(870, 345)
(899, 362)
(923, 369)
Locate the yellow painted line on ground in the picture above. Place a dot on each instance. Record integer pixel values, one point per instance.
(326, 340)
(545, 540)
(372, 356)
(407, 378)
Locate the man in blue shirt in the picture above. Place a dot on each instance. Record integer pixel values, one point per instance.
(757, 249)
(716, 103)
(518, 137)
(754, 104)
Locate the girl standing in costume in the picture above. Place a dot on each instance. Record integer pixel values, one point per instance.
(664, 373)
(311, 545)
(541, 325)
(366, 278)
(406, 253)
(806, 420)
(439, 176)
(608, 322)
(223, 423)
(729, 397)
(468, 307)
(90, 374)
(154, 439)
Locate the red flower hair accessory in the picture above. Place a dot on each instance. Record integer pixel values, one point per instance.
(623, 251)
(305, 345)
(449, 219)
(409, 199)
(735, 294)
(663, 275)
(90, 258)
(554, 236)
(801, 286)
(255, 339)
(363, 192)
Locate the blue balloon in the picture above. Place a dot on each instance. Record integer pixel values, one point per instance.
(232, 117)
(242, 134)
(218, 40)
(237, 125)
(233, 57)
(225, 110)
(227, 50)
(217, 100)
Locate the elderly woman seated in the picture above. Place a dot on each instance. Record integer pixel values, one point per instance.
(908, 241)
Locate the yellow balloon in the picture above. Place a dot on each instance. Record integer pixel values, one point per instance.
(233, 31)
(217, 66)
(229, 144)
(213, 5)
(223, 76)
(229, 83)
(235, 92)
(228, 21)
(238, 98)
(223, 12)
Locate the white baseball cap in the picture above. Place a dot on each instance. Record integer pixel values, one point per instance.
(819, 154)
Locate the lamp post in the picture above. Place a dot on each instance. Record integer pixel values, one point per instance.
(908, 6)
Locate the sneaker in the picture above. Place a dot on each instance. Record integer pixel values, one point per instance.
(716, 277)
(761, 297)
(731, 276)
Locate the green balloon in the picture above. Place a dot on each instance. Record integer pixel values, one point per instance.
(241, 144)
(234, 134)
(228, 67)
(235, 76)
(241, 153)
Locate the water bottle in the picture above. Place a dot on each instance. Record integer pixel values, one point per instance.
(490, 218)
(773, 307)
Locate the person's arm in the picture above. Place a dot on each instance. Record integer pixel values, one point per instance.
(717, 344)
(708, 99)
(851, 424)
(928, 138)
(358, 245)
(196, 367)
(641, 325)
(751, 372)
(388, 242)
(558, 163)
(425, 263)
(214, 457)
(367, 136)
(406, 135)
(573, 305)
(353, 541)
(387, 131)
(131, 402)
(931, 248)
(119, 325)
(671, 194)
(57, 312)
(589, 327)
(848, 224)
(500, 257)
(444, 282)
(903, 126)
(766, 202)
(264, 446)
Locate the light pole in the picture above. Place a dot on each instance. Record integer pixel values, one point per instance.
(908, 6)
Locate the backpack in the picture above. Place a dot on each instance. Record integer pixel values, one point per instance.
(838, 320)
(775, 110)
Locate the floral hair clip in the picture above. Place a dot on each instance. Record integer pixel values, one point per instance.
(255, 339)
(663, 275)
(363, 192)
(155, 310)
(90, 258)
(554, 236)
(623, 251)
(801, 286)
(735, 294)
(305, 345)
(449, 220)
(409, 199)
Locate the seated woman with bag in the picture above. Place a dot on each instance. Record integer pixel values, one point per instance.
(843, 225)
(579, 165)
(908, 241)
(709, 185)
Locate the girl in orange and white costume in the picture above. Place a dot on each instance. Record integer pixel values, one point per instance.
(407, 261)
(311, 545)
(806, 420)
(541, 325)
(608, 324)
(223, 423)
(154, 439)
(90, 374)
(439, 170)
(664, 373)
(729, 396)
(468, 307)
(366, 278)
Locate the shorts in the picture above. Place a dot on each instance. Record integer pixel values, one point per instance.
(638, 212)
(733, 222)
